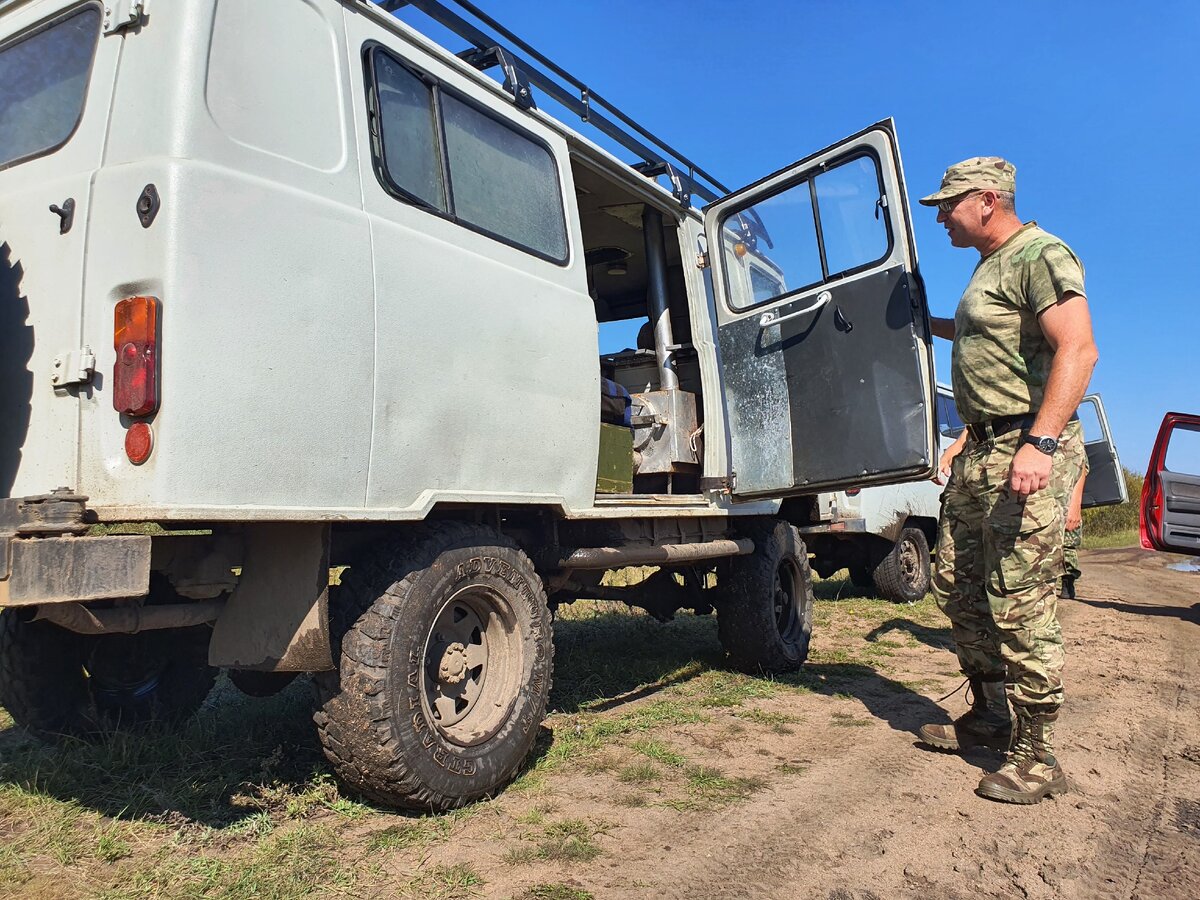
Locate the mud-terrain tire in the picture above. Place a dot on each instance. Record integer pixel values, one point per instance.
(56, 682)
(903, 575)
(445, 655)
(765, 601)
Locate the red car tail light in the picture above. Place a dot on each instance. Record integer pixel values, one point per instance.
(135, 338)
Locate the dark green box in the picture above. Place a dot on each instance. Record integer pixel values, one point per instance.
(614, 474)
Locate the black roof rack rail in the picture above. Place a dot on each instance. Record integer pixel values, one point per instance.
(657, 157)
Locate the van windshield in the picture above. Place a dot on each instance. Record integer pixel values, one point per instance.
(43, 82)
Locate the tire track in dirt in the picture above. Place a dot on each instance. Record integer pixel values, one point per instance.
(883, 818)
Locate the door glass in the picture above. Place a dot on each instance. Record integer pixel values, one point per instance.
(43, 82)
(853, 227)
(1089, 421)
(1183, 451)
(773, 248)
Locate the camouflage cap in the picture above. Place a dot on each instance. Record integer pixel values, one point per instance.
(979, 173)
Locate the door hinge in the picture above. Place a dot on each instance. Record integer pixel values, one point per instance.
(122, 14)
(75, 367)
(702, 260)
(719, 483)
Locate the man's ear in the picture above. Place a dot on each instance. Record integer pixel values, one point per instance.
(989, 201)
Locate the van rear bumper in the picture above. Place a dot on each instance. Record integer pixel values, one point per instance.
(37, 570)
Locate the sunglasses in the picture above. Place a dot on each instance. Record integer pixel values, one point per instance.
(947, 206)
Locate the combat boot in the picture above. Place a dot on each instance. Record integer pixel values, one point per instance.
(1030, 772)
(1067, 590)
(985, 724)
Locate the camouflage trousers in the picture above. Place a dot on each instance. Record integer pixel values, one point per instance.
(999, 558)
(1072, 540)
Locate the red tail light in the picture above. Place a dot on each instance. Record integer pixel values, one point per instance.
(135, 338)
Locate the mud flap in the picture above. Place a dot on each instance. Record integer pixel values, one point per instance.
(277, 619)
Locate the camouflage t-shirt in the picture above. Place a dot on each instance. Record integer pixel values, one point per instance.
(1001, 360)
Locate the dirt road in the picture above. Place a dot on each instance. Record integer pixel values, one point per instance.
(867, 814)
(661, 774)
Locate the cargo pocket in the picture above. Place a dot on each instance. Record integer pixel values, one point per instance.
(1026, 538)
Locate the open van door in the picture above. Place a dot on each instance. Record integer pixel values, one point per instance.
(1105, 483)
(822, 325)
(1170, 513)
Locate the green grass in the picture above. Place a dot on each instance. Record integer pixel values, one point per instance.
(1126, 538)
(555, 891)
(572, 840)
(241, 802)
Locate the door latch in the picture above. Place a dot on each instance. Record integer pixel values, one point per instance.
(75, 367)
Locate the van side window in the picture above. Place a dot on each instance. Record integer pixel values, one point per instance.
(436, 149)
(949, 422)
(503, 182)
(408, 130)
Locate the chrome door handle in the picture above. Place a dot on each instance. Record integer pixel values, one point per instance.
(774, 318)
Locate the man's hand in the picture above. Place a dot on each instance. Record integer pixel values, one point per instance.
(1030, 470)
(947, 458)
(1074, 518)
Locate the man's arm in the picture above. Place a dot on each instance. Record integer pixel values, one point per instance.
(943, 328)
(947, 458)
(1067, 326)
(1075, 507)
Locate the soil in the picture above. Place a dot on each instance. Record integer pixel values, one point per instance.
(865, 812)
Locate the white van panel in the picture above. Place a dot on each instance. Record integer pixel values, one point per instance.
(488, 357)
(282, 94)
(263, 268)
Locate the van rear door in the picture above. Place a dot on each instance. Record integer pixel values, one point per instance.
(56, 81)
(822, 325)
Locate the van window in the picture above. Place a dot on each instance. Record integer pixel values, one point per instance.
(451, 156)
(812, 232)
(43, 83)
(502, 181)
(949, 422)
(409, 133)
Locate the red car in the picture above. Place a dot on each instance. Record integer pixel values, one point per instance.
(1170, 512)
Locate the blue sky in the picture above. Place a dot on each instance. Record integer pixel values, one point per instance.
(1095, 103)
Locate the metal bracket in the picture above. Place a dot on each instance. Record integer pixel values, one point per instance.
(122, 14)
(719, 483)
(515, 82)
(681, 189)
(75, 367)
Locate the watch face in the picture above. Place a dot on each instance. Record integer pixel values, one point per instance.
(1047, 444)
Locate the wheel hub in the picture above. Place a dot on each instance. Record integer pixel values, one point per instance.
(453, 667)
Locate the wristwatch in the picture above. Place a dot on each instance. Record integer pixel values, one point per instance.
(1046, 444)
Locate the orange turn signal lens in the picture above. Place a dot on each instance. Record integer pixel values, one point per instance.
(135, 338)
(139, 441)
(739, 249)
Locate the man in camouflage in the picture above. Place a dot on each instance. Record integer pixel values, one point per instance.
(1022, 357)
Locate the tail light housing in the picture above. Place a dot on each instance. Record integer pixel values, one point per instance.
(135, 338)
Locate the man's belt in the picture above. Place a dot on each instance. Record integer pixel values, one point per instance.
(991, 429)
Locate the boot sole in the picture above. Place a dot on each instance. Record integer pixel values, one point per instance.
(949, 746)
(1004, 795)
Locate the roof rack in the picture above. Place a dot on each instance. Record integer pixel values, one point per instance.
(657, 157)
